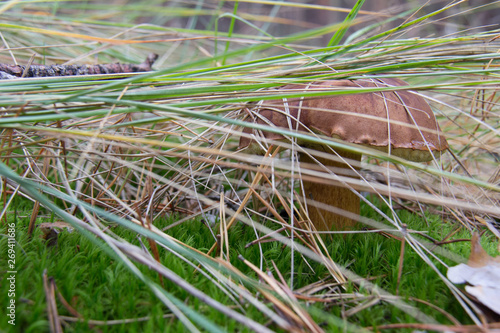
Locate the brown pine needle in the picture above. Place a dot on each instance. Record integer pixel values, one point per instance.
(401, 258)
(49, 287)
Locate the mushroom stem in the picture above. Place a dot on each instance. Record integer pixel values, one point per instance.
(334, 196)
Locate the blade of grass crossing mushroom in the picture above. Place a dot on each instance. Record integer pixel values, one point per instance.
(273, 211)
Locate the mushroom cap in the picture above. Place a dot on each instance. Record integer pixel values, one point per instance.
(399, 118)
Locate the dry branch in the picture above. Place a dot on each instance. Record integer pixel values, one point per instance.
(18, 71)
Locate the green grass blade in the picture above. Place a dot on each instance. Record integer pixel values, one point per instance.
(337, 37)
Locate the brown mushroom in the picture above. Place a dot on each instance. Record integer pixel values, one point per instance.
(399, 122)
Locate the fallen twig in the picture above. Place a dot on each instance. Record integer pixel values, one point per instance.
(18, 71)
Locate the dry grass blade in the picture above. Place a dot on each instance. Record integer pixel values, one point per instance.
(111, 322)
(459, 329)
(50, 296)
(36, 206)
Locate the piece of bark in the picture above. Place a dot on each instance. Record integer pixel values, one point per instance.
(16, 71)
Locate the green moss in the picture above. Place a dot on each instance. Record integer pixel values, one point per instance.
(100, 289)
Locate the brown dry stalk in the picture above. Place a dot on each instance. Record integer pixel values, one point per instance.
(18, 71)
(437, 327)
(152, 243)
(49, 287)
(401, 258)
(111, 322)
(36, 206)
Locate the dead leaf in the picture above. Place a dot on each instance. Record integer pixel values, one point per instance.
(482, 274)
(51, 231)
(478, 256)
